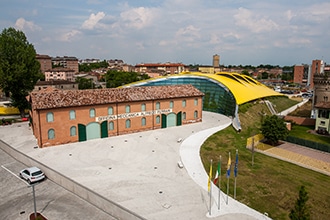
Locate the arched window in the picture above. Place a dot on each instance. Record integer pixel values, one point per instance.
(143, 107)
(196, 102)
(171, 104)
(157, 119)
(51, 134)
(92, 113)
(128, 123)
(73, 131)
(143, 121)
(72, 114)
(184, 103)
(50, 117)
(184, 116)
(111, 126)
(128, 109)
(196, 114)
(157, 105)
(110, 111)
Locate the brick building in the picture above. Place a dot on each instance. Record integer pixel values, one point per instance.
(66, 62)
(45, 62)
(65, 116)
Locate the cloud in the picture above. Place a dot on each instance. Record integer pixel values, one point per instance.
(189, 33)
(138, 18)
(24, 25)
(69, 36)
(93, 21)
(245, 18)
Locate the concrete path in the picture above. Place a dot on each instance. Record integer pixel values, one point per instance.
(140, 171)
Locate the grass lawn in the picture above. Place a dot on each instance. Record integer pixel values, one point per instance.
(270, 185)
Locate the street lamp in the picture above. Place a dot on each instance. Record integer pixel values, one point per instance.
(34, 199)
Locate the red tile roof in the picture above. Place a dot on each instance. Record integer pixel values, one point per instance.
(53, 98)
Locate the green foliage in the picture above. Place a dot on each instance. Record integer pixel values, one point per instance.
(245, 72)
(301, 210)
(273, 128)
(84, 83)
(264, 75)
(19, 68)
(116, 78)
(87, 67)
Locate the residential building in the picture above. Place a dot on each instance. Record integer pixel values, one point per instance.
(65, 116)
(301, 74)
(160, 68)
(56, 84)
(60, 73)
(45, 62)
(66, 62)
(316, 68)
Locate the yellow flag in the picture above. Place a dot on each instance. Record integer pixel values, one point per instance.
(210, 177)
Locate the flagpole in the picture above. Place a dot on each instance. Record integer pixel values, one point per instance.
(210, 182)
(219, 182)
(228, 175)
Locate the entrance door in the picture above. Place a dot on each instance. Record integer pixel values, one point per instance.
(171, 120)
(93, 131)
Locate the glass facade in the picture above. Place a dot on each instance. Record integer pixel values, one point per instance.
(217, 97)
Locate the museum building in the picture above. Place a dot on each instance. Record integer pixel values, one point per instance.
(67, 116)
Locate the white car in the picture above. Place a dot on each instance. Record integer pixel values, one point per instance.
(32, 174)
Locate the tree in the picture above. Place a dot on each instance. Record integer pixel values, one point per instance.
(273, 128)
(300, 210)
(84, 83)
(19, 68)
(116, 78)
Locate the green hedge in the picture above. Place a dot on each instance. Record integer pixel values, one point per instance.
(309, 144)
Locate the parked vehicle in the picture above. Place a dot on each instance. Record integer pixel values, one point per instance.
(32, 174)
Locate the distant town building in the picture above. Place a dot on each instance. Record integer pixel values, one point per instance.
(60, 73)
(56, 84)
(45, 62)
(301, 74)
(160, 69)
(66, 62)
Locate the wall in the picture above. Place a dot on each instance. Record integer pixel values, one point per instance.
(88, 195)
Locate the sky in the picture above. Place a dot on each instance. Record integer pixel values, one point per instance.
(242, 32)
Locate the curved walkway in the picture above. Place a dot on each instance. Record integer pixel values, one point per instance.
(189, 152)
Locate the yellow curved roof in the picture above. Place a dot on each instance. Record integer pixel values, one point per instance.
(244, 88)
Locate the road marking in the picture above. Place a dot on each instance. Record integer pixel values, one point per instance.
(13, 174)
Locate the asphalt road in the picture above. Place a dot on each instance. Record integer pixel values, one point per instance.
(53, 201)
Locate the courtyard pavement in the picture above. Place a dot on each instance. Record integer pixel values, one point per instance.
(140, 171)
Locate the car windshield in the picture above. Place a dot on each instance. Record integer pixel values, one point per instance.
(37, 173)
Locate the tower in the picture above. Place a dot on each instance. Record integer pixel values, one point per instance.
(216, 60)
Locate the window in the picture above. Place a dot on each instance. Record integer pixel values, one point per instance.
(184, 103)
(157, 119)
(73, 131)
(157, 105)
(51, 134)
(50, 117)
(171, 104)
(128, 109)
(92, 113)
(111, 126)
(324, 113)
(143, 107)
(196, 102)
(128, 123)
(110, 111)
(143, 121)
(184, 116)
(72, 114)
(196, 114)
